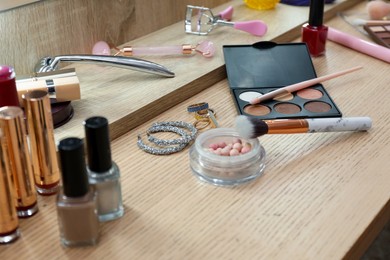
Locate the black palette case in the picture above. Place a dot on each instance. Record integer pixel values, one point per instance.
(267, 66)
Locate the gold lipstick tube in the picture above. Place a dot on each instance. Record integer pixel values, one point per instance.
(61, 85)
(43, 148)
(14, 129)
(287, 126)
(9, 222)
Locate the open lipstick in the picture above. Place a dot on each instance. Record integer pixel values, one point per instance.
(250, 127)
(314, 33)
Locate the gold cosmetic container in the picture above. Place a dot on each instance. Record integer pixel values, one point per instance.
(42, 145)
(14, 129)
(9, 221)
(62, 85)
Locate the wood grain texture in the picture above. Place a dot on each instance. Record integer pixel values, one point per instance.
(322, 196)
(50, 28)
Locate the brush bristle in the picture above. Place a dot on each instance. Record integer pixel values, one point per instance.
(249, 127)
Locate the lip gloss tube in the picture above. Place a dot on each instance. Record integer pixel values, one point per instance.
(13, 126)
(43, 149)
(9, 222)
(8, 92)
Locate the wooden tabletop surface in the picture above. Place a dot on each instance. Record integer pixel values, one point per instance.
(322, 196)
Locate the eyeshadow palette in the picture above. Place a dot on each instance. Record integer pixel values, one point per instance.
(380, 33)
(253, 70)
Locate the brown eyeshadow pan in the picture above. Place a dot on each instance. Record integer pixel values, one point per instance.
(380, 33)
(287, 108)
(317, 107)
(257, 110)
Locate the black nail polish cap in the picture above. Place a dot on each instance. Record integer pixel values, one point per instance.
(316, 12)
(98, 144)
(74, 172)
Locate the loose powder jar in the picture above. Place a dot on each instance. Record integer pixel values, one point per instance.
(220, 168)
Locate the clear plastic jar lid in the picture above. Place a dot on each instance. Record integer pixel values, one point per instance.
(225, 170)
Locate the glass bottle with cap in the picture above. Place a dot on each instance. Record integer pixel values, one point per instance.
(103, 173)
(76, 201)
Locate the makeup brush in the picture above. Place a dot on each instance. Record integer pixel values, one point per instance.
(251, 127)
(300, 85)
(360, 22)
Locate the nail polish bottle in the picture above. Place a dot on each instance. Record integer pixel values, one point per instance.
(8, 92)
(314, 33)
(9, 223)
(103, 173)
(76, 201)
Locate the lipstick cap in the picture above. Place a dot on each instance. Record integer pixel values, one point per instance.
(8, 217)
(42, 145)
(316, 12)
(14, 129)
(98, 144)
(74, 173)
(8, 93)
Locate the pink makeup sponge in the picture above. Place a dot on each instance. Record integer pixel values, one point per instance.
(378, 9)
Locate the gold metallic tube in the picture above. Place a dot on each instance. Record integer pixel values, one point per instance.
(62, 85)
(43, 148)
(9, 222)
(13, 126)
(287, 127)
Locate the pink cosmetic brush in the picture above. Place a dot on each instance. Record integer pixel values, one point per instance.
(301, 85)
(353, 42)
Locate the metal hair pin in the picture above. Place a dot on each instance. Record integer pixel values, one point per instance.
(51, 63)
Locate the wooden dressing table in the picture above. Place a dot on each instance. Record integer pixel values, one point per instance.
(322, 196)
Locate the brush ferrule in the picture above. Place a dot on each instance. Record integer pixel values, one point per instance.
(283, 126)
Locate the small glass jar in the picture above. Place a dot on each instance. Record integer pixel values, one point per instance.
(225, 170)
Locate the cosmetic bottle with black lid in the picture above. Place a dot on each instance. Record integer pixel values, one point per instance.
(103, 173)
(76, 201)
(314, 32)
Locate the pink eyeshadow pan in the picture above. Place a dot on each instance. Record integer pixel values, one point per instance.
(309, 93)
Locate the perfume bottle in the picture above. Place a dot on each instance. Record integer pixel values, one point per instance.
(9, 223)
(103, 173)
(76, 201)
